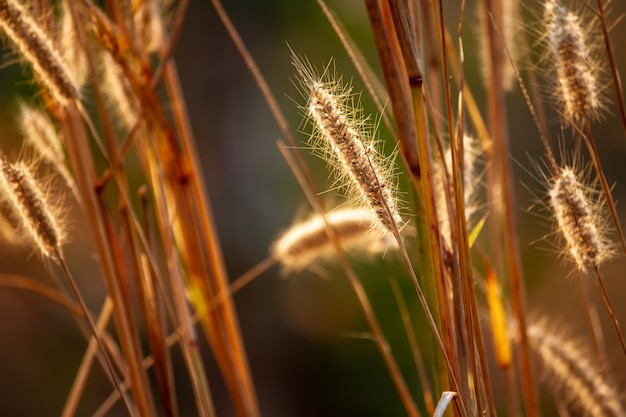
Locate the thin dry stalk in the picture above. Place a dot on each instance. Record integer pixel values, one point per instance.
(75, 139)
(80, 379)
(199, 207)
(506, 210)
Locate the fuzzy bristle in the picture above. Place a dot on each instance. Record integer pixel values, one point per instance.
(577, 87)
(40, 132)
(118, 92)
(149, 25)
(580, 220)
(340, 136)
(71, 49)
(305, 242)
(470, 189)
(38, 50)
(572, 375)
(29, 206)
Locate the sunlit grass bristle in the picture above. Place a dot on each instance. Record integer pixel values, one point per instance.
(345, 139)
(37, 49)
(120, 96)
(471, 181)
(573, 52)
(148, 25)
(580, 220)
(39, 131)
(307, 242)
(572, 374)
(71, 49)
(30, 206)
(41, 135)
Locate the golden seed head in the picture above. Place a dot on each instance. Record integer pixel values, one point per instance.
(39, 131)
(71, 49)
(340, 136)
(572, 375)
(579, 220)
(470, 188)
(149, 25)
(575, 60)
(38, 50)
(120, 96)
(307, 242)
(41, 135)
(30, 207)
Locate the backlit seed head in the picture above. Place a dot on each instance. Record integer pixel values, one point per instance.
(30, 206)
(39, 131)
(580, 220)
(343, 137)
(471, 181)
(70, 47)
(117, 89)
(574, 54)
(41, 135)
(35, 46)
(306, 243)
(148, 25)
(570, 372)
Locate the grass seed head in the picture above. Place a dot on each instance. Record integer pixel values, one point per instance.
(120, 96)
(341, 135)
(573, 376)
(580, 220)
(40, 133)
(574, 53)
(71, 49)
(37, 49)
(148, 25)
(471, 179)
(29, 205)
(307, 242)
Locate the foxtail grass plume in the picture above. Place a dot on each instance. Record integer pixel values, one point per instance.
(120, 96)
(575, 59)
(28, 203)
(580, 220)
(572, 374)
(470, 189)
(71, 49)
(40, 133)
(148, 25)
(342, 137)
(307, 242)
(32, 43)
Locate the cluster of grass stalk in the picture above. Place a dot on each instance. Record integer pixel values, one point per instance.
(453, 227)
